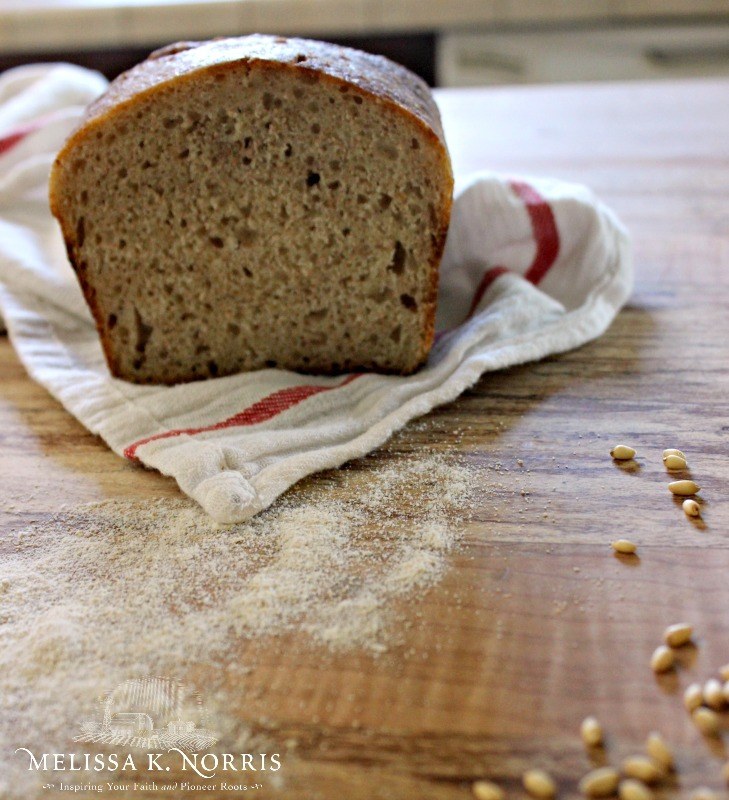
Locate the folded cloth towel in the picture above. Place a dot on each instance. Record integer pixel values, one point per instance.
(532, 267)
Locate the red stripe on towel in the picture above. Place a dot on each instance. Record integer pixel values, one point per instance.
(488, 278)
(11, 139)
(544, 229)
(16, 135)
(260, 411)
(546, 238)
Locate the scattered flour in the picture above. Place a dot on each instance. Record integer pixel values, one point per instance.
(97, 595)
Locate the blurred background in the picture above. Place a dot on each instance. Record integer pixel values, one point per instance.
(460, 43)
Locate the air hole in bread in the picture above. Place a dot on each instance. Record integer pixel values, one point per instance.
(397, 265)
(409, 302)
(415, 189)
(143, 333)
(80, 232)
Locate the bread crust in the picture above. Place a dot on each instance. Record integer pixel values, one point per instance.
(377, 77)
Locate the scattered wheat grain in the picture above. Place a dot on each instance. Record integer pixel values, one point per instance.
(642, 768)
(693, 696)
(621, 452)
(539, 784)
(591, 732)
(600, 782)
(706, 720)
(691, 508)
(631, 789)
(678, 635)
(662, 659)
(684, 488)
(714, 694)
(659, 750)
(624, 546)
(487, 790)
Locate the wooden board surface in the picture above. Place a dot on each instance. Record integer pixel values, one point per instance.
(536, 623)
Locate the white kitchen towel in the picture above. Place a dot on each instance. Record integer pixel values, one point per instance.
(532, 267)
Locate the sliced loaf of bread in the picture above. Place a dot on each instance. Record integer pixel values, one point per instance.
(258, 202)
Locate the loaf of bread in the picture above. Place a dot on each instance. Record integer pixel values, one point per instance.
(257, 202)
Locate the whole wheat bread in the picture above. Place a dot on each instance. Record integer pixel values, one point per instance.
(258, 202)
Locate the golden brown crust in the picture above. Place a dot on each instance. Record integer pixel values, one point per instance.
(374, 75)
(381, 79)
(89, 293)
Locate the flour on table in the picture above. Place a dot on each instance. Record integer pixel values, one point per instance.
(108, 591)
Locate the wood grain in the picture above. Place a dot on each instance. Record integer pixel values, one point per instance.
(536, 624)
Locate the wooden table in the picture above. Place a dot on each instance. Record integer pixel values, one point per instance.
(537, 623)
